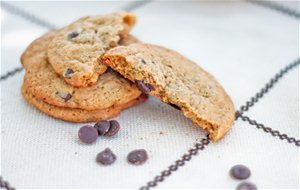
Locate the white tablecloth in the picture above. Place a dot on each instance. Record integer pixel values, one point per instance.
(241, 44)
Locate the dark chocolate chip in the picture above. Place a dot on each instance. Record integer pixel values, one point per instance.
(68, 97)
(68, 73)
(73, 35)
(114, 128)
(110, 70)
(150, 87)
(106, 157)
(246, 186)
(88, 134)
(137, 157)
(64, 96)
(144, 87)
(143, 61)
(175, 106)
(102, 127)
(240, 172)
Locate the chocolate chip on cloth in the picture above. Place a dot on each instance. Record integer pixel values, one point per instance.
(106, 157)
(88, 134)
(110, 90)
(137, 157)
(114, 128)
(177, 80)
(246, 186)
(240, 172)
(102, 127)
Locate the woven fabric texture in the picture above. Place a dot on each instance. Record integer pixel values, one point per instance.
(242, 44)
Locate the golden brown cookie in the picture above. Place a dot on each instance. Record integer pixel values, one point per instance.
(177, 81)
(78, 115)
(111, 88)
(74, 50)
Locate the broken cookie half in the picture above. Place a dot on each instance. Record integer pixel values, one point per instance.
(74, 50)
(177, 81)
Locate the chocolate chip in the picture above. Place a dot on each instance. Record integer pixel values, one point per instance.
(73, 35)
(143, 61)
(175, 106)
(114, 128)
(144, 87)
(240, 172)
(137, 157)
(102, 127)
(65, 96)
(68, 97)
(246, 186)
(88, 134)
(106, 157)
(68, 73)
(150, 87)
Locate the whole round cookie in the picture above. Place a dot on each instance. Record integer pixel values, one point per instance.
(177, 81)
(110, 89)
(78, 115)
(74, 51)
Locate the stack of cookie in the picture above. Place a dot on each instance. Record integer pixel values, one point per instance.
(63, 78)
(68, 76)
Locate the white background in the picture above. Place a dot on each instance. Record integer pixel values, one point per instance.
(241, 44)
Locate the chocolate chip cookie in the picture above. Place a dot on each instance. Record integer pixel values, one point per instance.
(75, 48)
(78, 115)
(177, 81)
(111, 89)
